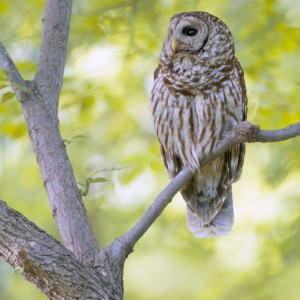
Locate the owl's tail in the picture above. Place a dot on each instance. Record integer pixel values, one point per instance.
(221, 224)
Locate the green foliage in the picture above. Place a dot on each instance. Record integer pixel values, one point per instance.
(86, 187)
(113, 51)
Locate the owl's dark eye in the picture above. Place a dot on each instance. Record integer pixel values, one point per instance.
(189, 31)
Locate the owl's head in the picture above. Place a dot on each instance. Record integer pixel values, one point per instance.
(198, 34)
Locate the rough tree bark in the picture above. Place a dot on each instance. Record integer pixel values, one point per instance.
(77, 269)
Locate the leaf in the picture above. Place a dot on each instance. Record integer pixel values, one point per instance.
(88, 182)
(6, 97)
(6, 94)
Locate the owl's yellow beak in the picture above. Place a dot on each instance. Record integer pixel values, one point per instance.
(175, 44)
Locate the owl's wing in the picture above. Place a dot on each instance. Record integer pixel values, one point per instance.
(158, 101)
(240, 149)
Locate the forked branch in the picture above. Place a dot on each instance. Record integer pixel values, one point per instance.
(39, 101)
(24, 245)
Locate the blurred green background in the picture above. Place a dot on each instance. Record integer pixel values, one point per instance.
(106, 123)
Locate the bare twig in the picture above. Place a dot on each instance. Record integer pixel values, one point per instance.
(265, 136)
(12, 73)
(244, 132)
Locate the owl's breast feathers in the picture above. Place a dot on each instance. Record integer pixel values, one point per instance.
(190, 122)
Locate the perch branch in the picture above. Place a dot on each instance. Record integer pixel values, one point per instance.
(244, 132)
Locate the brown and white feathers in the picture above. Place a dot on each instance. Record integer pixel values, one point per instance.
(198, 95)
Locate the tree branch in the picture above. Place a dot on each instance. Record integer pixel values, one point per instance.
(49, 75)
(36, 101)
(46, 263)
(283, 134)
(243, 132)
(15, 79)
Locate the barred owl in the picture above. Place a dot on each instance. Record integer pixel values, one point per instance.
(198, 95)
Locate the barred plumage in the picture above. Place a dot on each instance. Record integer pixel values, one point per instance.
(198, 94)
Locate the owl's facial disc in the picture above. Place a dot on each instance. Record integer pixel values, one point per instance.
(190, 35)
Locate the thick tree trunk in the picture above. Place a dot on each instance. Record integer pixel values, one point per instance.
(47, 263)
